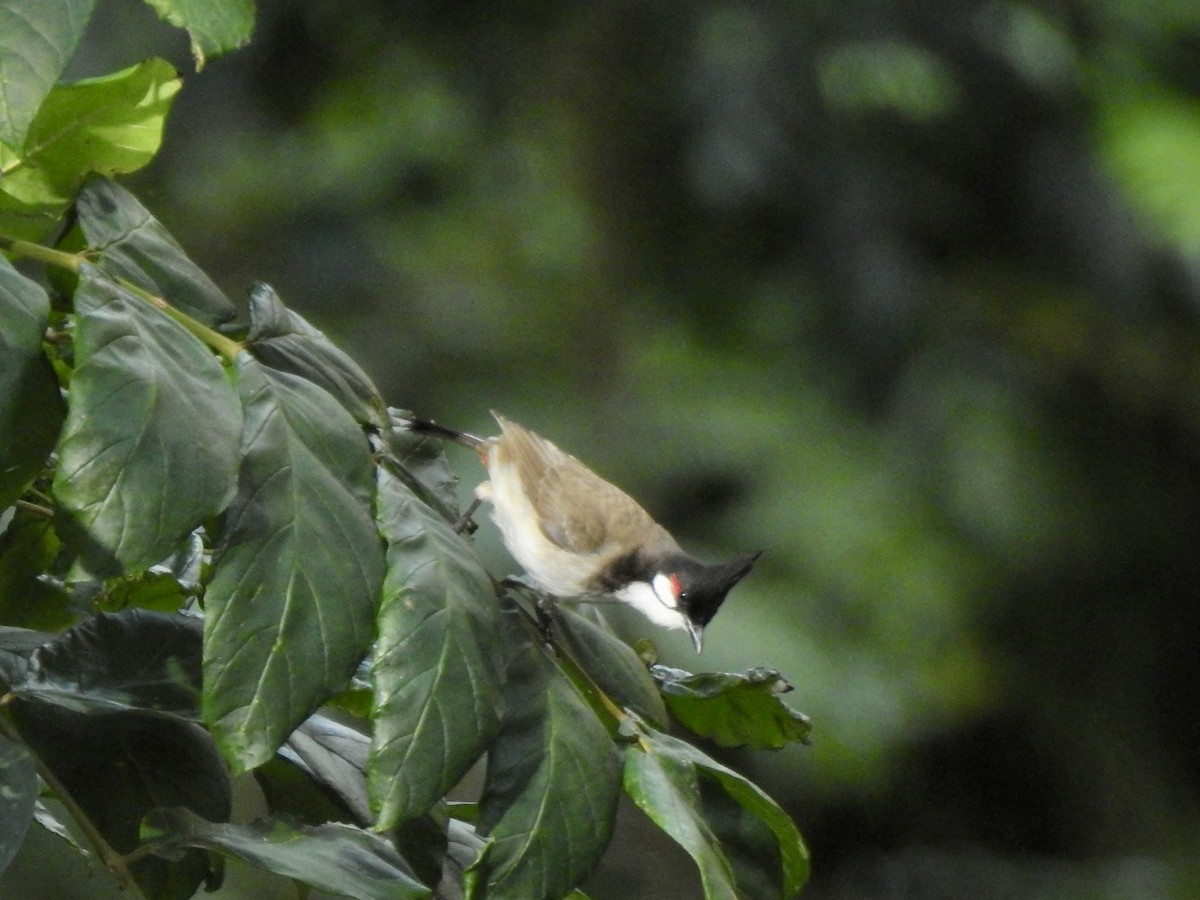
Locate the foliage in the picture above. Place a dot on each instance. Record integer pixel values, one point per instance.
(222, 540)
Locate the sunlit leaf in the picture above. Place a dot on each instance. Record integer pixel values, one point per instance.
(37, 40)
(109, 125)
(283, 340)
(734, 709)
(551, 790)
(214, 26)
(338, 859)
(149, 450)
(126, 241)
(298, 570)
(31, 410)
(438, 666)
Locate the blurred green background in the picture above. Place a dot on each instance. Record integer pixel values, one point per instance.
(903, 293)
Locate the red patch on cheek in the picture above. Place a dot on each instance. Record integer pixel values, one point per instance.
(676, 587)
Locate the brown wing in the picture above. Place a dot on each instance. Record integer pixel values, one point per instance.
(577, 509)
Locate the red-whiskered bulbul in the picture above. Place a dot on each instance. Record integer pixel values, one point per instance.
(576, 534)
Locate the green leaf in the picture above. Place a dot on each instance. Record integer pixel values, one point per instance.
(18, 795)
(28, 598)
(150, 446)
(661, 775)
(298, 570)
(734, 709)
(334, 757)
(37, 40)
(283, 340)
(551, 790)
(420, 462)
(127, 242)
(665, 787)
(31, 410)
(610, 662)
(109, 125)
(214, 26)
(338, 859)
(119, 767)
(438, 667)
(131, 660)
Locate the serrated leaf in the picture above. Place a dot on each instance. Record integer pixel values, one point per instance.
(610, 662)
(438, 666)
(734, 709)
(282, 339)
(131, 660)
(126, 241)
(37, 40)
(214, 26)
(31, 410)
(298, 570)
(150, 446)
(551, 790)
(109, 125)
(118, 767)
(18, 797)
(661, 775)
(338, 859)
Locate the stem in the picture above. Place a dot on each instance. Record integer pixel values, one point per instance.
(111, 859)
(227, 347)
(48, 255)
(72, 262)
(35, 509)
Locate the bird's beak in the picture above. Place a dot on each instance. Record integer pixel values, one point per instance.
(697, 633)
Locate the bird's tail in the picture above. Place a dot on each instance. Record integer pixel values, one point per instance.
(421, 426)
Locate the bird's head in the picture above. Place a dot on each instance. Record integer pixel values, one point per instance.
(696, 591)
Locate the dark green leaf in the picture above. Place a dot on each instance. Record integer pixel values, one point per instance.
(745, 840)
(335, 757)
(665, 787)
(31, 410)
(37, 40)
(118, 767)
(128, 242)
(109, 125)
(610, 662)
(214, 26)
(18, 796)
(283, 340)
(438, 666)
(734, 709)
(551, 790)
(420, 462)
(131, 660)
(661, 777)
(150, 446)
(28, 599)
(338, 859)
(298, 571)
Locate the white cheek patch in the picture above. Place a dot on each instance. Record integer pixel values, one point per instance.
(664, 591)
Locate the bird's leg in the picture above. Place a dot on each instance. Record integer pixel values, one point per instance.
(465, 523)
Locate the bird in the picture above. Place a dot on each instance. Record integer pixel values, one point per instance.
(578, 536)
